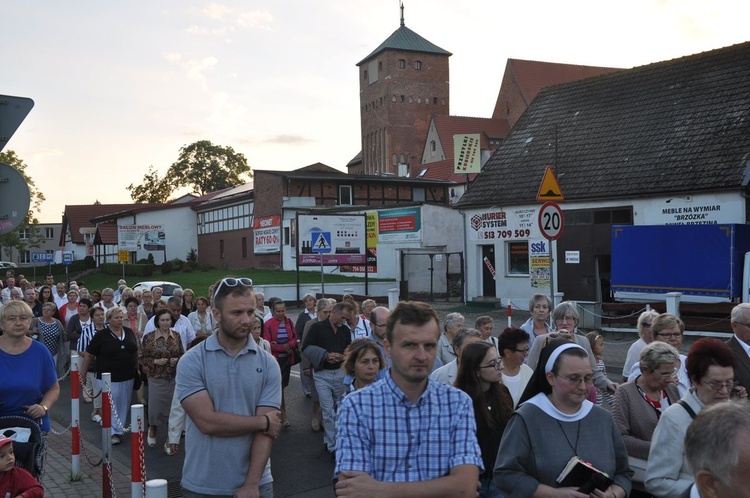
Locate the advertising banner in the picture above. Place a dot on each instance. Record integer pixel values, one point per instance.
(504, 224)
(400, 225)
(467, 154)
(141, 237)
(267, 235)
(539, 263)
(371, 228)
(338, 239)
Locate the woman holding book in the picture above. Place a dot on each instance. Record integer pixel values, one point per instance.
(556, 426)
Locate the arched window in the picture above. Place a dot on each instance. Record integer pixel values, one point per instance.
(418, 65)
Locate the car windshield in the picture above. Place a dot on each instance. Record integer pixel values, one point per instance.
(169, 289)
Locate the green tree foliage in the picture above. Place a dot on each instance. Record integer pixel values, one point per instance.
(203, 166)
(33, 235)
(152, 190)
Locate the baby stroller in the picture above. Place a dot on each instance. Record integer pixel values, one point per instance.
(28, 444)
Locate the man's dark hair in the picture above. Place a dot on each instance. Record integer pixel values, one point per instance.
(174, 300)
(86, 301)
(343, 305)
(410, 313)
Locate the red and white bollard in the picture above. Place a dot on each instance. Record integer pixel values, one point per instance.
(106, 435)
(510, 316)
(75, 415)
(137, 463)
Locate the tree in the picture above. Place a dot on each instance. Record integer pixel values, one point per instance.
(33, 236)
(203, 166)
(153, 189)
(208, 167)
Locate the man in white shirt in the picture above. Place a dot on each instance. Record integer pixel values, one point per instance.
(7, 293)
(359, 327)
(182, 325)
(447, 373)
(740, 343)
(61, 295)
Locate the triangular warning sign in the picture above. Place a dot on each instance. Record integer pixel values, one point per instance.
(549, 190)
(321, 243)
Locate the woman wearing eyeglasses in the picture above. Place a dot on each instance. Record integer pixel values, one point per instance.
(640, 403)
(513, 345)
(479, 376)
(670, 329)
(710, 366)
(556, 422)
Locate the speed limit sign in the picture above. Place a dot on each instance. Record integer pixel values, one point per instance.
(551, 221)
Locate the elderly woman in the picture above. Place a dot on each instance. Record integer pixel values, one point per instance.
(49, 331)
(539, 306)
(453, 323)
(29, 382)
(135, 320)
(670, 329)
(566, 318)
(201, 319)
(116, 351)
(485, 324)
(639, 404)
(188, 302)
(644, 331)
(710, 366)
(513, 345)
(160, 352)
(279, 331)
(480, 376)
(556, 422)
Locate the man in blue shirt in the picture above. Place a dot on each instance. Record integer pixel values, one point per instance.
(406, 435)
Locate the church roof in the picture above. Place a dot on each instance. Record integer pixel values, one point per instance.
(406, 40)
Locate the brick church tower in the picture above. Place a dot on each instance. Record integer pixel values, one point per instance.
(402, 83)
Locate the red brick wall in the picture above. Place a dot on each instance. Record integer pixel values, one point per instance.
(392, 126)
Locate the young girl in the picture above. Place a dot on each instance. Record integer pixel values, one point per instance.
(597, 347)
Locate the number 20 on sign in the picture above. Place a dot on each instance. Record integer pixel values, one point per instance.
(551, 221)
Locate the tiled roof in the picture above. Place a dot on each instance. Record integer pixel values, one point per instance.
(106, 233)
(443, 170)
(531, 76)
(681, 125)
(77, 216)
(406, 40)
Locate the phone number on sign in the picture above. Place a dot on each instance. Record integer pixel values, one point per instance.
(504, 234)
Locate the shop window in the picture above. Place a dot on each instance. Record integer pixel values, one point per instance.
(517, 258)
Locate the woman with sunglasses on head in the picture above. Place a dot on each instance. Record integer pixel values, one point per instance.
(710, 366)
(670, 329)
(480, 376)
(554, 423)
(644, 331)
(513, 345)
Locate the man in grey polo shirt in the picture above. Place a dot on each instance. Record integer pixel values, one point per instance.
(231, 391)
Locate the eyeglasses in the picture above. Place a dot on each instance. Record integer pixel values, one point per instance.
(589, 379)
(718, 386)
(671, 335)
(646, 325)
(524, 350)
(497, 365)
(231, 282)
(743, 324)
(666, 376)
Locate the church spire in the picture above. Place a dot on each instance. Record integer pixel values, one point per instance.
(402, 14)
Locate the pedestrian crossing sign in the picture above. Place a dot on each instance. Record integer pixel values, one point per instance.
(321, 242)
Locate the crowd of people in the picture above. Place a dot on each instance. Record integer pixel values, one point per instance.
(407, 405)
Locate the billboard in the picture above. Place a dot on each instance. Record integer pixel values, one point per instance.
(338, 239)
(400, 225)
(267, 235)
(467, 155)
(141, 237)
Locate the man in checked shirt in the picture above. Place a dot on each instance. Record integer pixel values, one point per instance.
(406, 435)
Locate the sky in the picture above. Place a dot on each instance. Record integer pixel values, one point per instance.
(121, 86)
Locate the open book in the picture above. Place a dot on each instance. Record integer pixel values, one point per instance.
(584, 476)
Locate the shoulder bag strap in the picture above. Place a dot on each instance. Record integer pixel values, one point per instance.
(687, 408)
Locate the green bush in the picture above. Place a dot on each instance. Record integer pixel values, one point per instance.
(136, 270)
(166, 267)
(89, 262)
(177, 264)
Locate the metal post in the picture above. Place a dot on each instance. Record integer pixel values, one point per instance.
(106, 435)
(156, 488)
(322, 279)
(510, 316)
(673, 303)
(137, 423)
(75, 415)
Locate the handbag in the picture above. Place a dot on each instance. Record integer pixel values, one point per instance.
(296, 355)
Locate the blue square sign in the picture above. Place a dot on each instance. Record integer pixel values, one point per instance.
(321, 242)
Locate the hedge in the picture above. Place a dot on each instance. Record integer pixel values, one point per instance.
(134, 270)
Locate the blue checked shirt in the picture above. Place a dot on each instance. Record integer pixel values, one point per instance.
(379, 431)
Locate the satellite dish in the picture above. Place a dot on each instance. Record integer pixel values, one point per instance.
(15, 198)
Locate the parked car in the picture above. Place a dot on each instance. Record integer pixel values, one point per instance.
(7, 264)
(167, 287)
